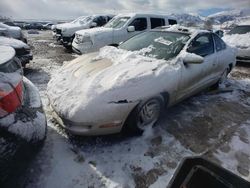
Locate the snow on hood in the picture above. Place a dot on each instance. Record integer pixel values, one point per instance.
(94, 31)
(97, 79)
(74, 25)
(238, 40)
(5, 41)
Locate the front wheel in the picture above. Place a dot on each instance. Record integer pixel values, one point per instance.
(144, 115)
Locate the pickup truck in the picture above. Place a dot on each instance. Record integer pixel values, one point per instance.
(120, 28)
(66, 32)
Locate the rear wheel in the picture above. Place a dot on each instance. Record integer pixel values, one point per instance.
(144, 115)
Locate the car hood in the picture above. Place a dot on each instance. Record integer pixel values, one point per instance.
(6, 41)
(95, 31)
(238, 40)
(71, 28)
(98, 79)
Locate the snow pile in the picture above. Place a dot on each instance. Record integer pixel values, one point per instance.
(238, 40)
(237, 158)
(6, 53)
(112, 75)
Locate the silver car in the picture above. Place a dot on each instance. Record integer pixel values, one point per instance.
(126, 88)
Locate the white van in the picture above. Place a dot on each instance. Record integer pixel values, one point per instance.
(120, 28)
(66, 32)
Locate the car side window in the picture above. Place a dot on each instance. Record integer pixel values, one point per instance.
(157, 22)
(219, 43)
(202, 45)
(172, 22)
(140, 24)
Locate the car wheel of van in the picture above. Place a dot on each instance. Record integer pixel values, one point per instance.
(144, 115)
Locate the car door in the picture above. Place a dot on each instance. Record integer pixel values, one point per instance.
(195, 77)
(222, 60)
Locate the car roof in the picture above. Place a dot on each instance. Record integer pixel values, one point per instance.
(6, 54)
(144, 14)
(181, 29)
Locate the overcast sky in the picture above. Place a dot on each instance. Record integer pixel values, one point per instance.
(68, 9)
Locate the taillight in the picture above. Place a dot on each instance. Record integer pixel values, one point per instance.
(10, 97)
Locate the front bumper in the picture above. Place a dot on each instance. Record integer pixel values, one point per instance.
(29, 121)
(88, 129)
(83, 48)
(25, 59)
(107, 119)
(67, 41)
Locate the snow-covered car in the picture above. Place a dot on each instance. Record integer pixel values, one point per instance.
(22, 120)
(120, 28)
(23, 51)
(47, 26)
(125, 88)
(13, 31)
(66, 32)
(239, 37)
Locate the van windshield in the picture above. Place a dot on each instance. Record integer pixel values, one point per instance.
(117, 22)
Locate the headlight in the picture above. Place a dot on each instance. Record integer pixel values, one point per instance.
(83, 38)
(64, 29)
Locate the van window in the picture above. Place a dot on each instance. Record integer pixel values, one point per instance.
(172, 22)
(140, 24)
(157, 22)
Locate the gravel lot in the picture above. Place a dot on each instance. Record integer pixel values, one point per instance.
(214, 124)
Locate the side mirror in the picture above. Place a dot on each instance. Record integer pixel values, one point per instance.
(220, 33)
(131, 28)
(191, 58)
(93, 24)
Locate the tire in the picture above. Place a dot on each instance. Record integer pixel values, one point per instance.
(222, 79)
(144, 115)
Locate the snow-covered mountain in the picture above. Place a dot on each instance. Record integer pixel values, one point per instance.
(4, 18)
(189, 19)
(231, 15)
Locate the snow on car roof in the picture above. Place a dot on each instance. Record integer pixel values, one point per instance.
(6, 54)
(182, 29)
(141, 14)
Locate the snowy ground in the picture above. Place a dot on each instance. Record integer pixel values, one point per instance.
(212, 124)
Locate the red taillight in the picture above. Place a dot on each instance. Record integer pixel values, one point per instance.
(11, 100)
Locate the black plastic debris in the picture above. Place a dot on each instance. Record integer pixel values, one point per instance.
(197, 172)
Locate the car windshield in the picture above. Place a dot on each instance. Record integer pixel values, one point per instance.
(117, 22)
(157, 44)
(83, 19)
(240, 30)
